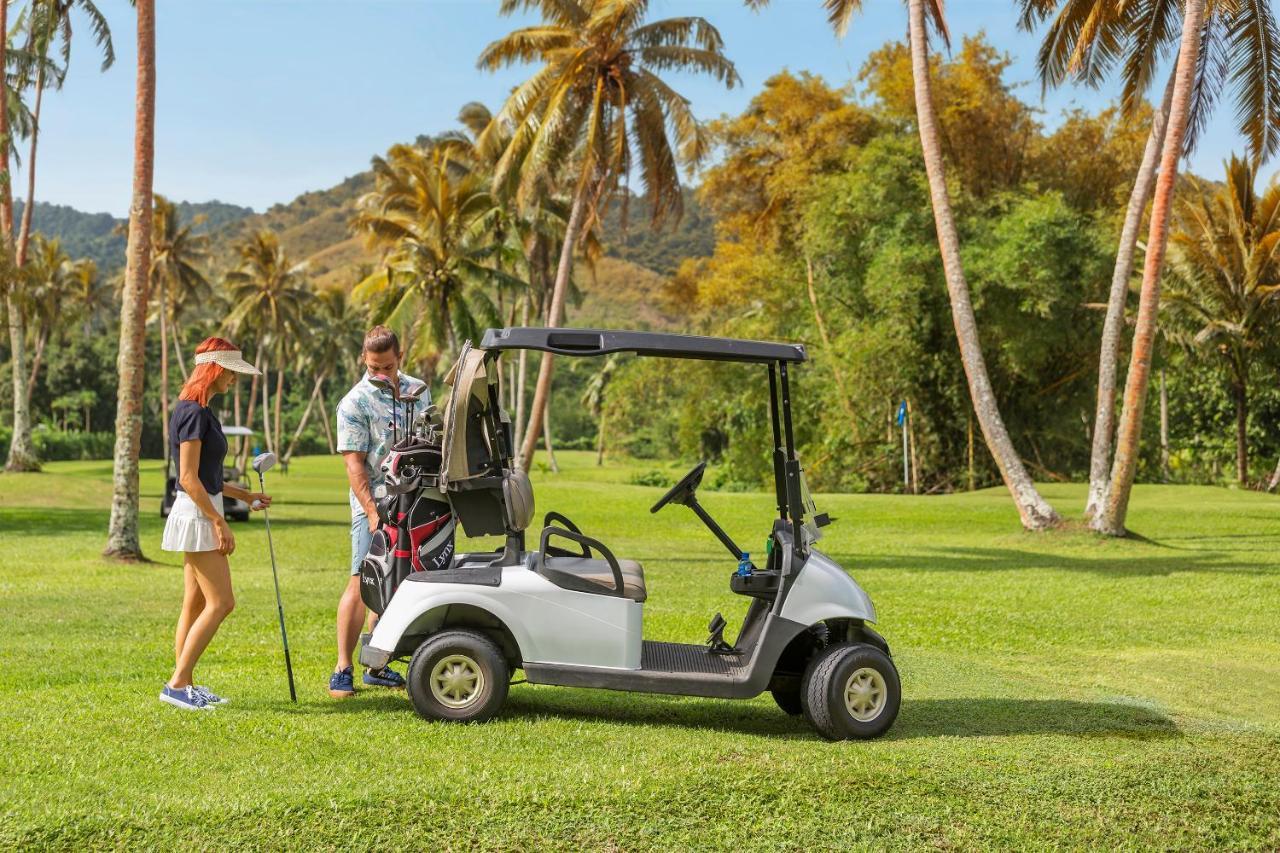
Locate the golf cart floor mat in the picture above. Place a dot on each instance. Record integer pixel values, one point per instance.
(684, 657)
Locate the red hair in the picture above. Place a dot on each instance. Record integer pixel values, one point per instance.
(199, 386)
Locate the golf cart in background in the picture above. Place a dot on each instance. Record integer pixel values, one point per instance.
(234, 510)
(571, 613)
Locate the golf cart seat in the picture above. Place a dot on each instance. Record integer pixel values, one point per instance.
(585, 574)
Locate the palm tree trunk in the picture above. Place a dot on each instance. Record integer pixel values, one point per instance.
(1164, 429)
(1125, 466)
(522, 371)
(972, 478)
(306, 416)
(1241, 394)
(37, 359)
(21, 455)
(1275, 478)
(275, 440)
(600, 439)
(258, 362)
(1113, 325)
(328, 430)
(6, 187)
(122, 534)
(546, 440)
(1035, 511)
(177, 350)
(24, 233)
(542, 390)
(266, 404)
(164, 371)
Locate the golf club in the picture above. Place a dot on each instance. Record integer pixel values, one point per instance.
(261, 463)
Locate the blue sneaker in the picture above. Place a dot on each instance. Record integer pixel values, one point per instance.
(186, 698)
(209, 696)
(385, 677)
(342, 684)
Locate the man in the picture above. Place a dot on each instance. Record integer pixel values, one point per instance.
(364, 439)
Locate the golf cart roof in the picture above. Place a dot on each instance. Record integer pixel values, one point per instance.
(236, 431)
(588, 342)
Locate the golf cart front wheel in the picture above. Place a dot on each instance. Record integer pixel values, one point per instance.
(458, 676)
(851, 690)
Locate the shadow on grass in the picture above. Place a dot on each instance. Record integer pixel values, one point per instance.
(1005, 559)
(923, 718)
(53, 521)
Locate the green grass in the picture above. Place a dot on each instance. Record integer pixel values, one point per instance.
(1060, 690)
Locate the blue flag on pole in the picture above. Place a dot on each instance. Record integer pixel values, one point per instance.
(902, 412)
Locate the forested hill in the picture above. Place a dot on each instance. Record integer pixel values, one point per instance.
(100, 236)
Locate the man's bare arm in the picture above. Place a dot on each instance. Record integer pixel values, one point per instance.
(358, 478)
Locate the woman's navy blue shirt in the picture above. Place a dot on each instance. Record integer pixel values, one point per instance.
(191, 421)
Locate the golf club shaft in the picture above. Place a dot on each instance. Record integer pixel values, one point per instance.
(284, 636)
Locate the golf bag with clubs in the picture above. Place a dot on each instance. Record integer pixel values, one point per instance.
(416, 523)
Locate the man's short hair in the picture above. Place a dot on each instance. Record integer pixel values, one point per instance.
(381, 339)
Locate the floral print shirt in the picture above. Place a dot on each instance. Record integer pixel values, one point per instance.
(364, 424)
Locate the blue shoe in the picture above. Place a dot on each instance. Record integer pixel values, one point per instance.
(209, 696)
(385, 677)
(342, 684)
(186, 698)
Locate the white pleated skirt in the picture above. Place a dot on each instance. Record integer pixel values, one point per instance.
(189, 529)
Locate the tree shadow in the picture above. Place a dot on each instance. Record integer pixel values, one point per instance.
(994, 717)
(1009, 559)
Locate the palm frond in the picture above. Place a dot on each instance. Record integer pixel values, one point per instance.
(1254, 41)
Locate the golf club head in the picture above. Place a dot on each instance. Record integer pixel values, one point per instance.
(417, 389)
(385, 383)
(264, 462)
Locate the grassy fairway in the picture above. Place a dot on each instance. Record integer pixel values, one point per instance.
(1059, 689)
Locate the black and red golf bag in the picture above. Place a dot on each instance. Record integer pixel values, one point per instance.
(416, 529)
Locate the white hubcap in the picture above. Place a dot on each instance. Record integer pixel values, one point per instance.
(456, 681)
(864, 695)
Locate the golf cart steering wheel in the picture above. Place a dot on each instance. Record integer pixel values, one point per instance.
(684, 489)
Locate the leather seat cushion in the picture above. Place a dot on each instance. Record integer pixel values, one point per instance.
(595, 576)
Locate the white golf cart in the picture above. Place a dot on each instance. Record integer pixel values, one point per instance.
(576, 617)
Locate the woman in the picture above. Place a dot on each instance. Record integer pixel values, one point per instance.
(196, 525)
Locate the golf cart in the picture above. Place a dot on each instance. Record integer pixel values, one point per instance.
(571, 613)
(234, 510)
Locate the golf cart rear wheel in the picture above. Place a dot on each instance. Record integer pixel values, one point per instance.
(458, 676)
(851, 690)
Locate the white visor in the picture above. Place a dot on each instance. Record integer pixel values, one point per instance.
(231, 359)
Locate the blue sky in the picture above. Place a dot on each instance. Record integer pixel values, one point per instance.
(260, 100)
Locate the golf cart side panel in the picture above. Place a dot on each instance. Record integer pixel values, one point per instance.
(823, 590)
(549, 624)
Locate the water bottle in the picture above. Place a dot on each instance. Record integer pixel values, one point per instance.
(744, 565)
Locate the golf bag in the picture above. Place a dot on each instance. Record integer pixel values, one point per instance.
(416, 529)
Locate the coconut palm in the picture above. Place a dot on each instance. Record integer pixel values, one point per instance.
(122, 534)
(51, 282)
(270, 297)
(431, 213)
(48, 22)
(594, 397)
(1224, 280)
(335, 331)
(176, 281)
(1085, 41)
(595, 109)
(1033, 509)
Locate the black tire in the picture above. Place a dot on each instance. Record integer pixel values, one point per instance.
(472, 653)
(788, 698)
(828, 676)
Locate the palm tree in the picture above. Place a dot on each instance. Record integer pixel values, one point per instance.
(122, 534)
(175, 282)
(335, 330)
(431, 213)
(1125, 465)
(270, 296)
(597, 107)
(593, 397)
(1084, 41)
(51, 283)
(1033, 509)
(1224, 281)
(49, 21)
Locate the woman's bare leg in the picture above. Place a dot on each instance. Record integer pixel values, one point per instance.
(213, 576)
(192, 604)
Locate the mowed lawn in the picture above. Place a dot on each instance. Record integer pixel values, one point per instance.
(1060, 690)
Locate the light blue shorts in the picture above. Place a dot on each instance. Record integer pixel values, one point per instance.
(360, 540)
